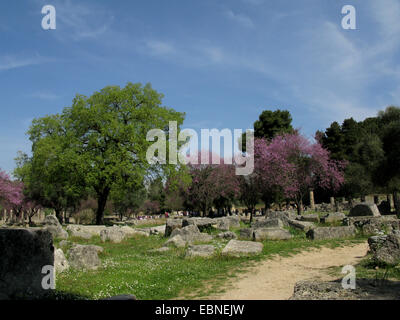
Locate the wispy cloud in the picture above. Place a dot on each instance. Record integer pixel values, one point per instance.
(325, 68)
(239, 18)
(386, 13)
(191, 54)
(8, 62)
(158, 47)
(78, 21)
(44, 95)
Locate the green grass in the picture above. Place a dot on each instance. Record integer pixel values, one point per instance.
(130, 268)
(368, 269)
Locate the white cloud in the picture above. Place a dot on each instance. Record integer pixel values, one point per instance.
(8, 62)
(239, 18)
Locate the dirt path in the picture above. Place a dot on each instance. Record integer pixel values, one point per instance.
(275, 279)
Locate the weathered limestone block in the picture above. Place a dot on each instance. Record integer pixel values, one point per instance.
(246, 233)
(131, 232)
(201, 223)
(204, 251)
(238, 248)
(84, 257)
(52, 224)
(60, 262)
(301, 225)
(171, 225)
(268, 223)
(175, 241)
(333, 217)
(389, 251)
(85, 232)
(112, 234)
(271, 234)
(191, 234)
(324, 233)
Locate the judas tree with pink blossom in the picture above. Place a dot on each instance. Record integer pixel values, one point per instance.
(12, 198)
(10, 191)
(211, 185)
(292, 164)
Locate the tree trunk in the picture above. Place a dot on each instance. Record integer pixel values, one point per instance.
(300, 207)
(101, 205)
(59, 215)
(396, 202)
(252, 212)
(204, 212)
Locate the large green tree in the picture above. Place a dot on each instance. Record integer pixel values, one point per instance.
(104, 136)
(270, 124)
(52, 176)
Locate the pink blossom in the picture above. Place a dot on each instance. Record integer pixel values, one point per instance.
(294, 164)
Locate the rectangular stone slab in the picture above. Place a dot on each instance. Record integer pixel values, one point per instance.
(324, 233)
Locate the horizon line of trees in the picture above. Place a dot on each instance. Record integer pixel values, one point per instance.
(93, 154)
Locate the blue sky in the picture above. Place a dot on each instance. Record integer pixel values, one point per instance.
(221, 62)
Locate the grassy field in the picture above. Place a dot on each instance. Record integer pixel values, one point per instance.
(131, 268)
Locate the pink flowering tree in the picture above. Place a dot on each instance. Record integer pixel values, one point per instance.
(292, 164)
(211, 184)
(10, 191)
(11, 194)
(12, 198)
(227, 186)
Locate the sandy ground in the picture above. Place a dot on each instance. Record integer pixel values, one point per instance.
(275, 279)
